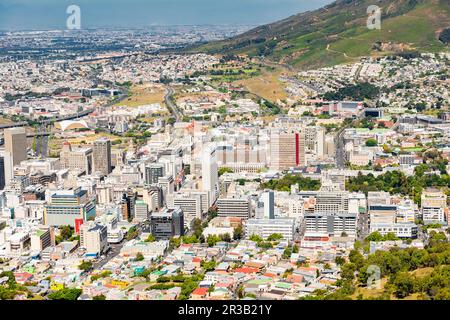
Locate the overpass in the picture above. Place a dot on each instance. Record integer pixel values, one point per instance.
(49, 121)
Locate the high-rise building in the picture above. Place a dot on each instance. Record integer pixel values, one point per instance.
(234, 207)
(41, 238)
(287, 150)
(68, 206)
(210, 175)
(80, 159)
(331, 202)
(334, 225)
(153, 196)
(268, 201)
(167, 224)
(94, 238)
(167, 185)
(16, 144)
(315, 140)
(141, 211)
(127, 202)
(102, 156)
(434, 203)
(2, 171)
(190, 204)
(153, 172)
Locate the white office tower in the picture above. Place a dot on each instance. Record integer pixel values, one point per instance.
(234, 206)
(266, 227)
(190, 204)
(315, 141)
(210, 176)
(167, 185)
(94, 238)
(268, 201)
(141, 212)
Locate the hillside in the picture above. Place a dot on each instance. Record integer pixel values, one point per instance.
(338, 33)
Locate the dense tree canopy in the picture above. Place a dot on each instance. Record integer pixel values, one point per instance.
(285, 183)
(357, 92)
(396, 182)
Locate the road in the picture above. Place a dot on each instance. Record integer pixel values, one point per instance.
(340, 150)
(171, 105)
(112, 253)
(363, 226)
(340, 143)
(114, 250)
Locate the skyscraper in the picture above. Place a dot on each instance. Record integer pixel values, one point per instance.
(287, 150)
(102, 156)
(153, 172)
(268, 200)
(210, 175)
(16, 144)
(80, 159)
(167, 224)
(6, 168)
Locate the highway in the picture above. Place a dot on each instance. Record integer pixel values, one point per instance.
(171, 105)
(49, 121)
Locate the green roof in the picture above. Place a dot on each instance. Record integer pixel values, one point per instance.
(283, 285)
(377, 130)
(159, 272)
(40, 233)
(260, 281)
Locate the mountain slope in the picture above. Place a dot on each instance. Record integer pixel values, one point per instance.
(338, 33)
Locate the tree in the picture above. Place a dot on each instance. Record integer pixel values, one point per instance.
(255, 238)
(224, 170)
(85, 266)
(285, 183)
(371, 143)
(99, 297)
(374, 236)
(132, 233)
(390, 236)
(348, 271)
(150, 238)
(212, 239)
(339, 260)
(357, 258)
(275, 237)
(197, 227)
(287, 253)
(404, 284)
(65, 294)
(139, 257)
(66, 232)
(174, 242)
(208, 265)
(225, 237)
(238, 233)
(163, 279)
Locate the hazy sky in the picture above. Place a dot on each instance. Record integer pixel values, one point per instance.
(51, 14)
